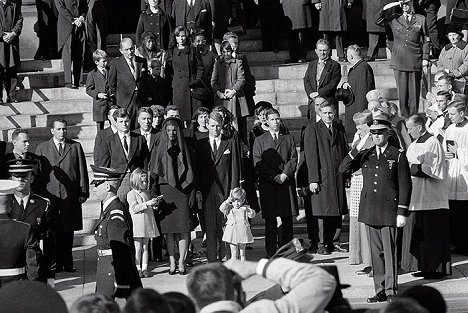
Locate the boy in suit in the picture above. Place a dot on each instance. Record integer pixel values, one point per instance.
(98, 88)
(157, 86)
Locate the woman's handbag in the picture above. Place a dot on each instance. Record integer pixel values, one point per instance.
(459, 16)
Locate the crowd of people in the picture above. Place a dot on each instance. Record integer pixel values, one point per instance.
(178, 153)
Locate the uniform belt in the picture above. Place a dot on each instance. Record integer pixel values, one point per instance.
(12, 271)
(105, 252)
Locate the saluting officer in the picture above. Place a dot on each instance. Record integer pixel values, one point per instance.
(33, 209)
(19, 250)
(385, 198)
(117, 275)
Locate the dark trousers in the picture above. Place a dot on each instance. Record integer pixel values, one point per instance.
(374, 44)
(64, 246)
(297, 42)
(157, 243)
(214, 223)
(430, 9)
(329, 231)
(458, 216)
(72, 55)
(409, 89)
(382, 242)
(105, 276)
(275, 235)
(338, 42)
(9, 79)
(312, 226)
(270, 23)
(97, 25)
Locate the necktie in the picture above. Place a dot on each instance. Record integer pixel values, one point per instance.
(215, 147)
(132, 65)
(330, 130)
(378, 152)
(320, 67)
(147, 137)
(125, 144)
(104, 72)
(22, 204)
(408, 19)
(275, 139)
(60, 149)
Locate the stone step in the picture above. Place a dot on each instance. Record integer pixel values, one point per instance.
(50, 93)
(40, 65)
(41, 79)
(44, 120)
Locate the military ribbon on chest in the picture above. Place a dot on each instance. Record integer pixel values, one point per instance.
(390, 163)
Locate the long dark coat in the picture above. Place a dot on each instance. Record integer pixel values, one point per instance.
(65, 179)
(96, 83)
(187, 67)
(328, 82)
(203, 15)
(332, 15)
(361, 80)
(68, 10)
(158, 23)
(370, 11)
(10, 20)
(323, 155)
(299, 14)
(269, 161)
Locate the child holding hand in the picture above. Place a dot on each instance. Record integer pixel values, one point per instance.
(237, 231)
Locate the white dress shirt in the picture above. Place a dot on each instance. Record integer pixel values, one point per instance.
(218, 142)
(127, 136)
(25, 200)
(56, 143)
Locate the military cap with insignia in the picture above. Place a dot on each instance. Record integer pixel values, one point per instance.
(7, 187)
(380, 120)
(21, 166)
(102, 173)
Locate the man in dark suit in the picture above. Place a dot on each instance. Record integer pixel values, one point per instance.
(217, 171)
(20, 251)
(34, 210)
(275, 160)
(324, 148)
(124, 151)
(103, 136)
(127, 80)
(71, 38)
(385, 198)
(20, 140)
(11, 20)
(97, 23)
(323, 75)
(410, 51)
(117, 275)
(197, 14)
(65, 183)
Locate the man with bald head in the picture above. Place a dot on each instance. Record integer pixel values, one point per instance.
(127, 80)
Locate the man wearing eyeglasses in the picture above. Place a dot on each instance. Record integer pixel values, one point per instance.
(385, 198)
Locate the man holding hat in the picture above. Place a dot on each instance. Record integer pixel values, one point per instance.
(117, 275)
(34, 210)
(385, 198)
(20, 251)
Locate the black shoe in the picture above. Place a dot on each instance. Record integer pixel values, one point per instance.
(70, 86)
(172, 272)
(140, 274)
(302, 61)
(323, 251)
(379, 297)
(390, 298)
(69, 269)
(289, 61)
(369, 59)
(11, 100)
(338, 248)
(342, 60)
(144, 274)
(312, 250)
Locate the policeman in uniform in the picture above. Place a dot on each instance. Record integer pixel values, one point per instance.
(117, 275)
(385, 198)
(19, 250)
(33, 209)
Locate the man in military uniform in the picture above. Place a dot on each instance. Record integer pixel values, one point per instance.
(385, 198)
(20, 251)
(33, 209)
(117, 275)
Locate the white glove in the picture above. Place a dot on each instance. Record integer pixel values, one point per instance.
(400, 220)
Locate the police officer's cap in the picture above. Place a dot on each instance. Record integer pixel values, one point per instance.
(7, 187)
(105, 173)
(21, 166)
(380, 120)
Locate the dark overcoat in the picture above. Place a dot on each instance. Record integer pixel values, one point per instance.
(11, 20)
(323, 155)
(387, 187)
(100, 144)
(96, 82)
(328, 82)
(203, 15)
(159, 23)
(65, 179)
(370, 12)
(300, 15)
(68, 10)
(332, 15)
(271, 160)
(361, 79)
(187, 67)
(113, 155)
(230, 75)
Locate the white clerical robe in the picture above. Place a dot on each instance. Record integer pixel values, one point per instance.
(458, 167)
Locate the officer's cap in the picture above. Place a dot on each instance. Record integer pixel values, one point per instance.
(21, 166)
(7, 187)
(105, 173)
(380, 120)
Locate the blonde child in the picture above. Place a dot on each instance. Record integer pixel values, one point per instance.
(237, 231)
(141, 205)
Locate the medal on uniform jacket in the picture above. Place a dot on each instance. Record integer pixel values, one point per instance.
(390, 163)
(38, 220)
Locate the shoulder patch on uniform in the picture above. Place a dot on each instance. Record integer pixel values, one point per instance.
(117, 217)
(117, 212)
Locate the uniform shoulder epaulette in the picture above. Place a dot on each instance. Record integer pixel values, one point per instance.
(47, 201)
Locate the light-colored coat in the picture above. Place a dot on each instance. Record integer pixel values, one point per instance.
(144, 224)
(455, 59)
